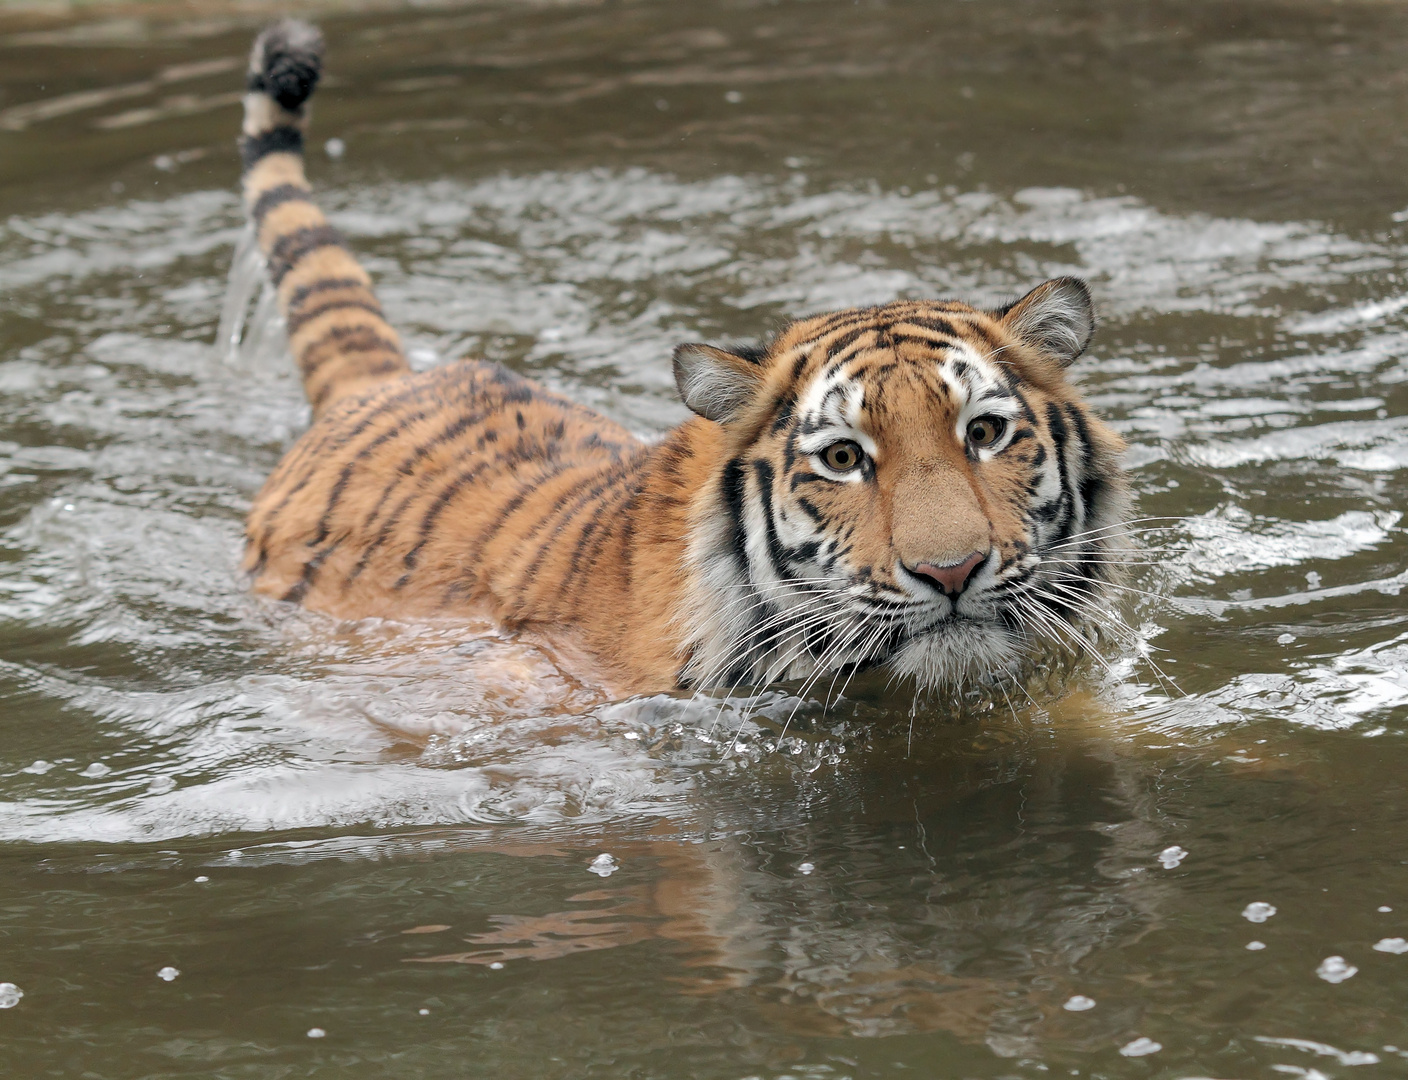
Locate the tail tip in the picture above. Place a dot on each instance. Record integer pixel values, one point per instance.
(286, 61)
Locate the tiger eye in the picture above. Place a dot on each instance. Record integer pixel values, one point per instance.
(986, 430)
(842, 456)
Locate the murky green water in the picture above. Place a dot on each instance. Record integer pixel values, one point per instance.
(340, 827)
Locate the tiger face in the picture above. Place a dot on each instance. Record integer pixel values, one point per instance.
(914, 484)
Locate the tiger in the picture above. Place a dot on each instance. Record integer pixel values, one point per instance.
(915, 485)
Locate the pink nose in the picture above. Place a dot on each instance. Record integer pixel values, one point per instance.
(952, 578)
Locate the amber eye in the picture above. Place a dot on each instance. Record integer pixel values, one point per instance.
(986, 430)
(842, 456)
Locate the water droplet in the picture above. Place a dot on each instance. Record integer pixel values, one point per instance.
(1255, 946)
(39, 768)
(496, 966)
(1258, 911)
(733, 97)
(1391, 945)
(167, 974)
(1335, 969)
(10, 995)
(317, 1033)
(425, 1012)
(334, 148)
(632, 735)
(1285, 639)
(96, 769)
(1079, 1003)
(1172, 856)
(1141, 1047)
(604, 865)
(237, 854)
(160, 785)
(202, 879)
(805, 868)
(1383, 908)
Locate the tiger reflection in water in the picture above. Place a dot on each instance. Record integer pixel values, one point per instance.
(962, 888)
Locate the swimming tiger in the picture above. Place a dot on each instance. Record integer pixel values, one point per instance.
(915, 484)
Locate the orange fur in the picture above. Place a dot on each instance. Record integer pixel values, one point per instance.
(469, 490)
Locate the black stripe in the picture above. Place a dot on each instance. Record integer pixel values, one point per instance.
(349, 339)
(366, 393)
(303, 292)
(504, 462)
(734, 490)
(310, 571)
(1088, 478)
(530, 573)
(296, 322)
(845, 341)
(277, 196)
(1059, 437)
(506, 512)
(403, 469)
(335, 439)
(291, 247)
(895, 340)
(279, 140)
(1028, 413)
(604, 509)
(778, 554)
(442, 500)
(927, 322)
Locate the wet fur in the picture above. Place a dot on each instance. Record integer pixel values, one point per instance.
(719, 555)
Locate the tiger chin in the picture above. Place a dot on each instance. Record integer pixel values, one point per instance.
(914, 485)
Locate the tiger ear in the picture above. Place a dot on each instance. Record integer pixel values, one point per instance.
(715, 383)
(1056, 317)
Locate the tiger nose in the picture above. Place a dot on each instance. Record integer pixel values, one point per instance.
(952, 578)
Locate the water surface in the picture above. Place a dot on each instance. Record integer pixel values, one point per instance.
(352, 828)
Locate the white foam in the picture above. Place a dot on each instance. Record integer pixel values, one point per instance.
(1396, 945)
(1141, 1047)
(1170, 857)
(1258, 911)
(1336, 969)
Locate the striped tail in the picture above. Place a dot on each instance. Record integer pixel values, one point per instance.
(339, 338)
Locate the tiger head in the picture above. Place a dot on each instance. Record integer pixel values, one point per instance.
(915, 484)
